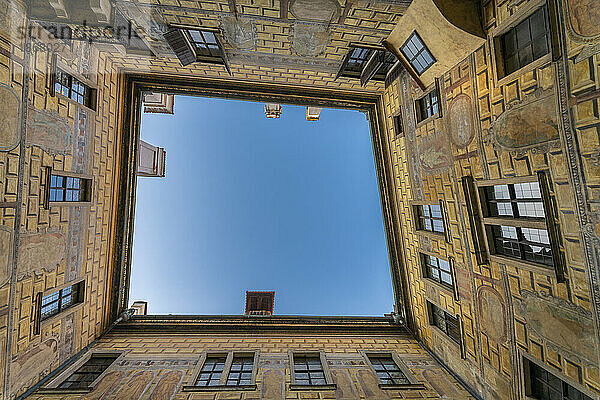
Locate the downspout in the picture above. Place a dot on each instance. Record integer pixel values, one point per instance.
(125, 315)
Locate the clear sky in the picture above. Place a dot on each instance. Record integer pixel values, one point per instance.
(250, 203)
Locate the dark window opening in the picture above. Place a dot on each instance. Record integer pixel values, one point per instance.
(308, 370)
(526, 42)
(519, 200)
(430, 218)
(438, 270)
(85, 375)
(427, 106)
(240, 372)
(68, 189)
(445, 322)
(210, 374)
(522, 243)
(398, 127)
(73, 88)
(387, 370)
(367, 63)
(61, 300)
(546, 386)
(417, 54)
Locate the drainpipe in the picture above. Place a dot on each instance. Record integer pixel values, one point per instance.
(125, 316)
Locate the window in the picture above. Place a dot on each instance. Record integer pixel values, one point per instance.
(387, 370)
(310, 369)
(545, 386)
(398, 127)
(528, 244)
(73, 88)
(68, 189)
(430, 218)
(85, 375)
(205, 43)
(417, 54)
(240, 372)
(60, 300)
(437, 269)
(367, 63)
(519, 221)
(445, 322)
(427, 106)
(526, 42)
(191, 45)
(222, 371)
(211, 372)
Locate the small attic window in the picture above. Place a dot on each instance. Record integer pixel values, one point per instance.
(417, 54)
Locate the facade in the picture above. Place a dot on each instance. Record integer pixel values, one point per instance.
(487, 147)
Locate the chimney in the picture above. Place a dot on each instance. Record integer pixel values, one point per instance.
(259, 303)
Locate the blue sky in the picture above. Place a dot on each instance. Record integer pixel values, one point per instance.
(250, 203)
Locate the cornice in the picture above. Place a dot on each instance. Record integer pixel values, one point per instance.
(242, 324)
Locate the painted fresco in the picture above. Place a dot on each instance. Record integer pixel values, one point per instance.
(492, 313)
(10, 112)
(6, 245)
(370, 386)
(240, 33)
(460, 121)
(105, 386)
(310, 39)
(526, 123)
(315, 10)
(49, 131)
(345, 389)
(135, 386)
(40, 252)
(167, 385)
(441, 384)
(26, 367)
(564, 324)
(273, 385)
(434, 153)
(584, 17)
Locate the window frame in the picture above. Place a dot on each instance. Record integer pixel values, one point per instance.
(52, 386)
(90, 99)
(329, 384)
(549, 223)
(87, 180)
(377, 57)
(398, 121)
(554, 53)
(430, 311)
(526, 378)
(418, 110)
(424, 49)
(222, 386)
(413, 381)
(424, 272)
(39, 322)
(415, 206)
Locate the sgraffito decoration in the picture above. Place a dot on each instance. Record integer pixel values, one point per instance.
(441, 384)
(239, 32)
(370, 386)
(39, 252)
(135, 386)
(10, 118)
(107, 384)
(345, 389)
(167, 385)
(460, 121)
(582, 19)
(315, 10)
(35, 360)
(530, 124)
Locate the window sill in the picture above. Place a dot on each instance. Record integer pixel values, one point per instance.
(66, 203)
(75, 103)
(410, 386)
(218, 388)
(541, 269)
(432, 235)
(56, 317)
(294, 387)
(427, 120)
(523, 70)
(61, 391)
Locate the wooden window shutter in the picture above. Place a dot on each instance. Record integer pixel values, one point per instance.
(181, 46)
